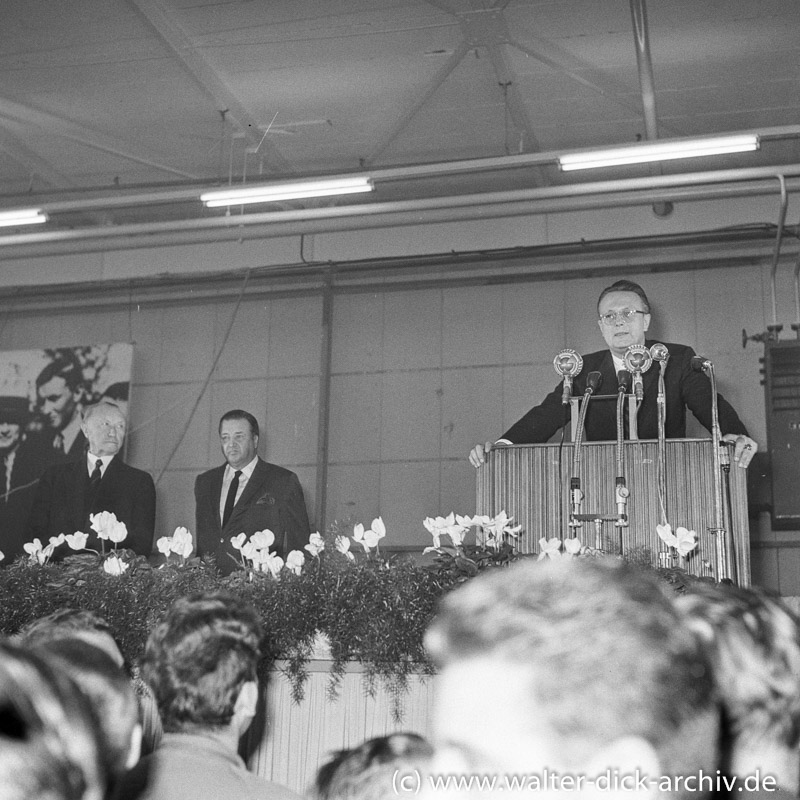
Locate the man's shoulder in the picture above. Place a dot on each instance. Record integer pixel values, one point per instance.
(132, 473)
(273, 471)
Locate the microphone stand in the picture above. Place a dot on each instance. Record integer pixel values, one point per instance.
(660, 353)
(726, 566)
(593, 381)
(621, 490)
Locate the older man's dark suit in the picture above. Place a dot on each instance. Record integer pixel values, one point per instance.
(684, 388)
(272, 499)
(60, 504)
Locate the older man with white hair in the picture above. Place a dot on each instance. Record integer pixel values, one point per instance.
(70, 492)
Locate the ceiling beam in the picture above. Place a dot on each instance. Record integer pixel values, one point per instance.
(413, 108)
(32, 163)
(52, 124)
(181, 47)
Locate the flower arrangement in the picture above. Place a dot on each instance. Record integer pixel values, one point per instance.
(369, 607)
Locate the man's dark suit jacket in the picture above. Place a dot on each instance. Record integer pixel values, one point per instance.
(15, 505)
(59, 505)
(684, 388)
(272, 499)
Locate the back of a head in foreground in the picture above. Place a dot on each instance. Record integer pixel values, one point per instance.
(69, 623)
(366, 772)
(754, 640)
(600, 652)
(109, 690)
(197, 659)
(49, 742)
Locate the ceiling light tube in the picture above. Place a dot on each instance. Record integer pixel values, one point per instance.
(271, 193)
(22, 216)
(658, 151)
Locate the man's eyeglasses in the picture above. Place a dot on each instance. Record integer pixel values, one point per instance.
(626, 315)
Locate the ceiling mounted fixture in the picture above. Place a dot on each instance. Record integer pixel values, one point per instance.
(298, 190)
(22, 216)
(658, 151)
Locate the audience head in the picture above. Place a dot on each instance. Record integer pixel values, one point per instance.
(754, 642)
(366, 772)
(110, 693)
(59, 387)
(238, 435)
(71, 623)
(575, 665)
(200, 662)
(50, 747)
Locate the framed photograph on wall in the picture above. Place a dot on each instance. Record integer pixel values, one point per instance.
(42, 395)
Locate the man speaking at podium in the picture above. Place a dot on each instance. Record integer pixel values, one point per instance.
(624, 317)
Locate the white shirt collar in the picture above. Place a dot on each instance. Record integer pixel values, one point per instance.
(247, 470)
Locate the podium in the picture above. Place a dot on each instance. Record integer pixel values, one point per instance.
(532, 484)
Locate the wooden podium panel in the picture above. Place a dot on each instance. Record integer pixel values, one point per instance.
(532, 484)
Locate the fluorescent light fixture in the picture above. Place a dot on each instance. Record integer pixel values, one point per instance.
(271, 193)
(22, 216)
(658, 151)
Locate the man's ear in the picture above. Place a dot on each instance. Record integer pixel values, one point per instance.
(247, 701)
(647, 321)
(628, 767)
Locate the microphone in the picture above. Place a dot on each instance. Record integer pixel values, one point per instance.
(568, 364)
(594, 380)
(699, 364)
(637, 360)
(624, 377)
(659, 353)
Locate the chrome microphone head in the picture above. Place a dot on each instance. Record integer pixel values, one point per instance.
(637, 358)
(659, 352)
(568, 363)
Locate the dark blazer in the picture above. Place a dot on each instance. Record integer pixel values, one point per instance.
(59, 504)
(684, 388)
(15, 505)
(272, 499)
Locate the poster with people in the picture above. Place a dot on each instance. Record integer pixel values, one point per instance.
(42, 396)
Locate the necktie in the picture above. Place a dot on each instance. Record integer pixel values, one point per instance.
(230, 500)
(58, 443)
(94, 478)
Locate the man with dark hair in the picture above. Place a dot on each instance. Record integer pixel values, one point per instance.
(754, 643)
(68, 493)
(246, 495)
(110, 692)
(200, 662)
(59, 388)
(50, 743)
(623, 317)
(572, 669)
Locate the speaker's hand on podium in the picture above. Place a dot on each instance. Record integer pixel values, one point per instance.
(477, 455)
(744, 448)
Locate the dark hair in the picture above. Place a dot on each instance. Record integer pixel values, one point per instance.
(357, 771)
(67, 368)
(237, 413)
(754, 642)
(625, 286)
(50, 745)
(197, 659)
(108, 689)
(117, 391)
